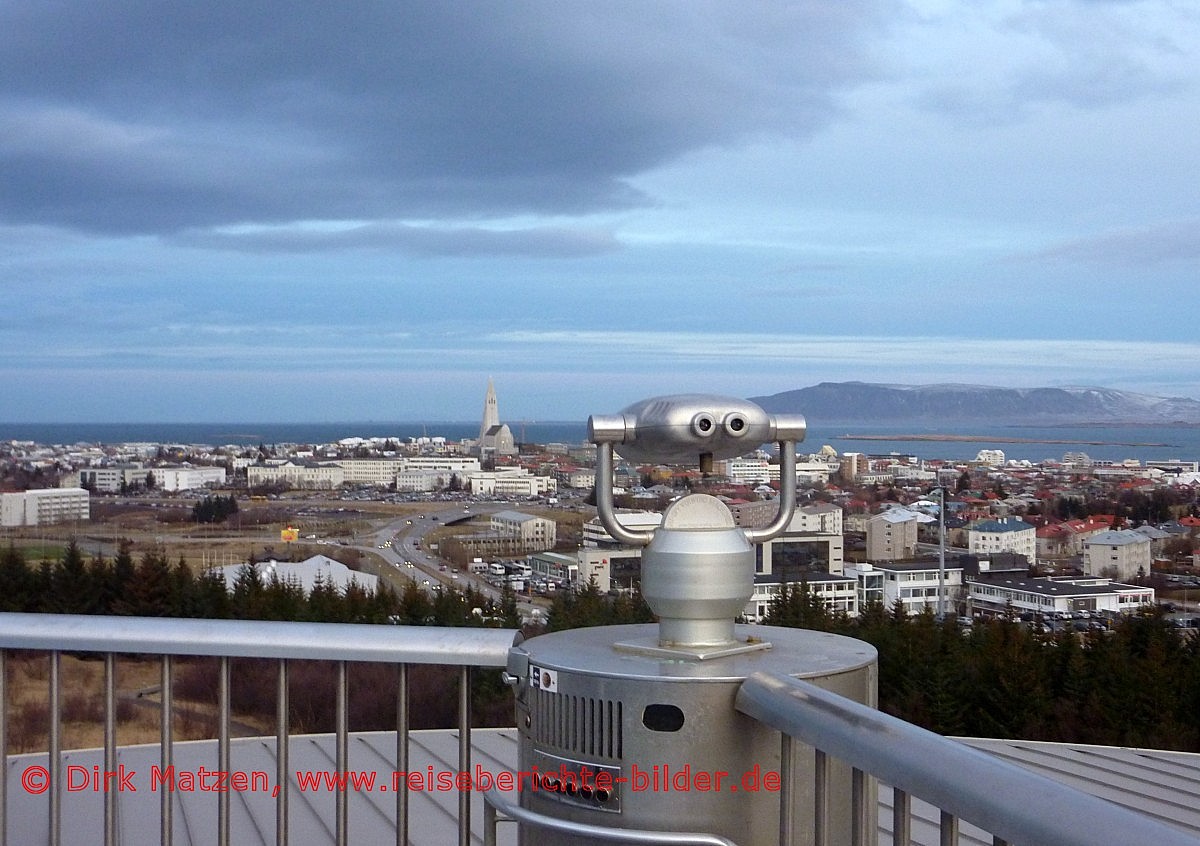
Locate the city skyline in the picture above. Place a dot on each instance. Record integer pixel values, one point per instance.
(364, 212)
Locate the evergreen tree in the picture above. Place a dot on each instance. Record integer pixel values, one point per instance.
(71, 586)
(120, 576)
(325, 602)
(17, 583)
(247, 599)
(150, 592)
(415, 608)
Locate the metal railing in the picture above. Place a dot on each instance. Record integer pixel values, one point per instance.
(498, 808)
(339, 643)
(1011, 803)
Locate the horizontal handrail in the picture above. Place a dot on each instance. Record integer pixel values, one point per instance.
(495, 800)
(457, 646)
(1012, 803)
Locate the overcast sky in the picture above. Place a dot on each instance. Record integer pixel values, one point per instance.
(238, 210)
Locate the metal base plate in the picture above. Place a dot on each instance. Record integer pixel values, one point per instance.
(652, 649)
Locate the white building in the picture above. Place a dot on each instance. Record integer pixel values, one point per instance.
(1122, 555)
(990, 457)
(839, 593)
(187, 478)
(914, 586)
(1008, 534)
(380, 472)
(44, 506)
(112, 478)
(510, 482)
(578, 478)
(747, 471)
(533, 532)
(308, 475)
(997, 594)
(460, 466)
(892, 534)
(603, 560)
(305, 574)
(820, 517)
(752, 470)
(596, 536)
(554, 566)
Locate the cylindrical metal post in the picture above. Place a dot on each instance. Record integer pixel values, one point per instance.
(166, 753)
(110, 746)
(223, 762)
(282, 740)
(55, 751)
(948, 829)
(901, 817)
(787, 791)
(858, 805)
(402, 755)
(342, 730)
(464, 754)
(820, 798)
(4, 743)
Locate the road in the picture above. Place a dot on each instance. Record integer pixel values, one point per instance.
(407, 536)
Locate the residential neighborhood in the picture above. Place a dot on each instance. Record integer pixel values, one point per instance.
(1072, 536)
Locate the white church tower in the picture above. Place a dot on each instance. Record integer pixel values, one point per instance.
(491, 412)
(495, 438)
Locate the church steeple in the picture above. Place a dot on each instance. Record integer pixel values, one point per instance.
(491, 412)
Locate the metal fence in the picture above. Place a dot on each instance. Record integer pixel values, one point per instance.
(340, 644)
(1011, 803)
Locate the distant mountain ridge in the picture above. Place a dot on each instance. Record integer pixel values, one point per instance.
(866, 401)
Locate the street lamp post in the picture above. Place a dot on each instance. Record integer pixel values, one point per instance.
(941, 611)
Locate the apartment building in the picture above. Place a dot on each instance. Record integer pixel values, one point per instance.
(892, 534)
(534, 533)
(1121, 555)
(1008, 534)
(44, 507)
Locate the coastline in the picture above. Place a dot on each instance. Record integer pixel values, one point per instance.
(1001, 439)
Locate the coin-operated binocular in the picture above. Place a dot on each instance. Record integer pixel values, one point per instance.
(698, 568)
(599, 708)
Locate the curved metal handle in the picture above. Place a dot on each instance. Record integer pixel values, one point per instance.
(604, 500)
(787, 497)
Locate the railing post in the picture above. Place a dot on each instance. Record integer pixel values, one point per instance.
(110, 746)
(464, 754)
(282, 740)
(166, 753)
(489, 824)
(342, 731)
(4, 746)
(109, 638)
(901, 817)
(858, 806)
(948, 829)
(55, 751)
(787, 793)
(820, 798)
(223, 759)
(402, 756)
